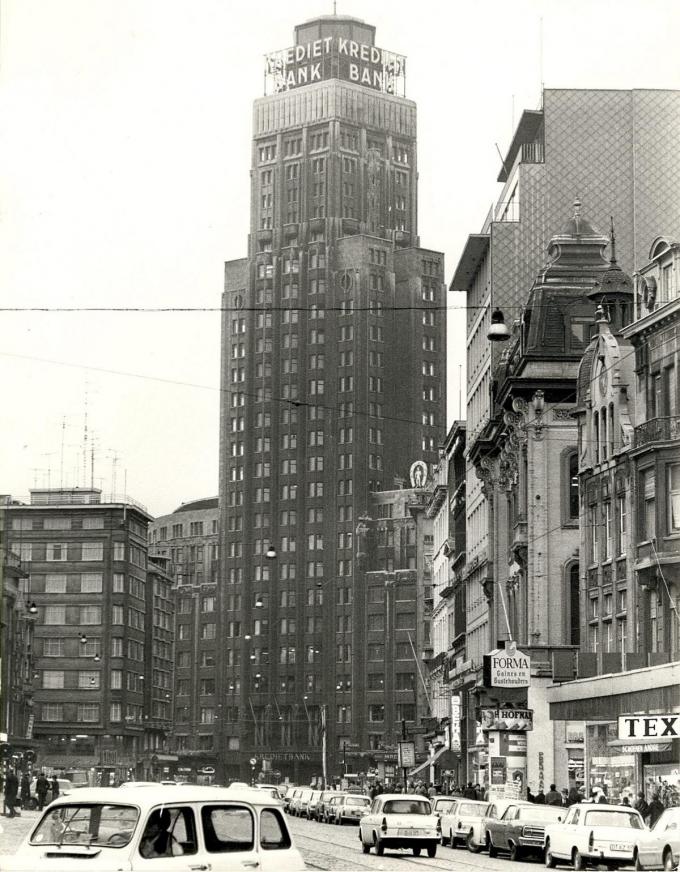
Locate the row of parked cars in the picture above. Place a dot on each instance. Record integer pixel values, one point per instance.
(582, 835)
(326, 806)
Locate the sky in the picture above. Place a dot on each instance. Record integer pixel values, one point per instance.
(126, 131)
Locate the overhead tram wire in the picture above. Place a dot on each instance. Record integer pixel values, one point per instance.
(297, 403)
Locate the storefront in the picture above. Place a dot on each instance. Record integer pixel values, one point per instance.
(632, 730)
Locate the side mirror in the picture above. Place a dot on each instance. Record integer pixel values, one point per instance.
(559, 819)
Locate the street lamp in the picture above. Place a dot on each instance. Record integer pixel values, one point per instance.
(271, 553)
(498, 332)
(32, 608)
(83, 639)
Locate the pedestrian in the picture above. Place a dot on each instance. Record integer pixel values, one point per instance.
(42, 785)
(423, 791)
(540, 797)
(574, 796)
(469, 792)
(431, 790)
(11, 791)
(625, 801)
(55, 787)
(553, 797)
(25, 792)
(530, 796)
(656, 809)
(642, 806)
(479, 793)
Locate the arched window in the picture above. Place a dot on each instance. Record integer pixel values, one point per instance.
(611, 432)
(596, 438)
(603, 430)
(574, 606)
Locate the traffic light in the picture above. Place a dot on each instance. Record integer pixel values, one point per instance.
(6, 751)
(29, 756)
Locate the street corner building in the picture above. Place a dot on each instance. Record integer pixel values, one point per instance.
(570, 438)
(333, 398)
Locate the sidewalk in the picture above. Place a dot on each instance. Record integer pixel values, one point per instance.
(15, 829)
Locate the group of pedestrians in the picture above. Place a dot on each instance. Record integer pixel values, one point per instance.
(17, 794)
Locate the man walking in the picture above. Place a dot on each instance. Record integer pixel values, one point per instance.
(42, 785)
(11, 791)
(553, 797)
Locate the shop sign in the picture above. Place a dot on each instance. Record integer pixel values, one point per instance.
(517, 720)
(288, 756)
(507, 667)
(498, 770)
(644, 748)
(649, 726)
(406, 754)
(454, 726)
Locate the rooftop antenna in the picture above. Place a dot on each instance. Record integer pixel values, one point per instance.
(61, 456)
(612, 239)
(85, 438)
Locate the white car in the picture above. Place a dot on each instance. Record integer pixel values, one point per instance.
(186, 827)
(594, 833)
(400, 820)
(462, 823)
(441, 804)
(659, 848)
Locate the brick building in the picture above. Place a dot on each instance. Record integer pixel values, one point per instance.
(320, 405)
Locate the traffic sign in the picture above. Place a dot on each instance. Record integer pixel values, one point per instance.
(253, 761)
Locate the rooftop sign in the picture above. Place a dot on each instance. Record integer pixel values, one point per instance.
(650, 727)
(335, 57)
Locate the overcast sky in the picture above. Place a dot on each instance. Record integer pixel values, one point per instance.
(125, 182)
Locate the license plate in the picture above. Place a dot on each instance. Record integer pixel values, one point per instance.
(614, 846)
(406, 832)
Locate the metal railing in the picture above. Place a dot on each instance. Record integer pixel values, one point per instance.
(657, 430)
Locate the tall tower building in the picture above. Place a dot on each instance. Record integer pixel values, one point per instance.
(333, 384)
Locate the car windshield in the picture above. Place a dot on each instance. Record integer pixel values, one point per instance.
(87, 824)
(357, 800)
(406, 806)
(540, 813)
(472, 808)
(443, 804)
(613, 819)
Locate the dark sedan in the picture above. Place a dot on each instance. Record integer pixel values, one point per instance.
(521, 829)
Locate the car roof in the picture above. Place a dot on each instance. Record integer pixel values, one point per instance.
(442, 796)
(404, 796)
(156, 794)
(603, 806)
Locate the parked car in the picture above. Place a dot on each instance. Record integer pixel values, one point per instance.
(280, 789)
(441, 804)
(462, 823)
(189, 827)
(496, 810)
(315, 806)
(305, 803)
(330, 807)
(593, 833)
(521, 830)
(300, 798)
(398, 820)
(351, 807)
(659, 848)
(291, 795)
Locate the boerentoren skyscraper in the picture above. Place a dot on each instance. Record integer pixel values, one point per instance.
(333, 384)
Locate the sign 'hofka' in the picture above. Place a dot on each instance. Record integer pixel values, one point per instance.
(507, 667)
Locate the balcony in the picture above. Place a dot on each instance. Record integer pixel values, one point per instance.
(657, 430)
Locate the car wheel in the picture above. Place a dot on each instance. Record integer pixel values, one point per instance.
(636, 862)
(668, 863)
(515, 853)
(416, 851)
(548, 858)
(365, 849)
(578, 861)
(472, 846)
(432, 850)
(444, 840)
(493, 852)
(379, 847)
